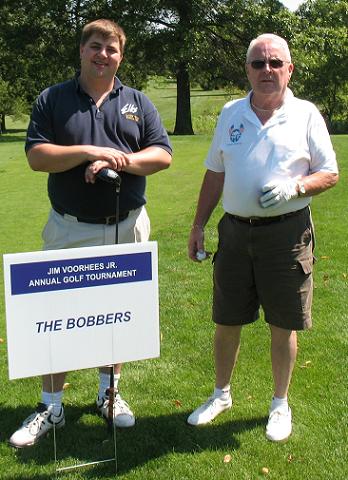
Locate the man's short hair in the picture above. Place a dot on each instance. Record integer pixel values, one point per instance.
(274, 39)
(105, 28)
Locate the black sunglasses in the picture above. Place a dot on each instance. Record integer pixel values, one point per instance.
(273, 63)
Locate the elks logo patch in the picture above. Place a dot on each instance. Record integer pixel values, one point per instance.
(129, 110)
(236, 133)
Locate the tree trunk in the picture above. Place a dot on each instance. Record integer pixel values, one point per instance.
(183, 122)
(2, 123)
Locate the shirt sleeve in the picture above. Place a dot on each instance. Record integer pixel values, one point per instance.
(154, 134)
(214, 160)
(323, 157)
(40, 129)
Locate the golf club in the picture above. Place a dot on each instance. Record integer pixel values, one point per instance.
(110, 176)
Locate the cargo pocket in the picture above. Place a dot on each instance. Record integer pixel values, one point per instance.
(305, 289)
(306, 265)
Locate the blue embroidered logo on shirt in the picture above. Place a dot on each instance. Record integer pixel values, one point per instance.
(236, 133)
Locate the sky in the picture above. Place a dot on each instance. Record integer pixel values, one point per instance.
(292, 4)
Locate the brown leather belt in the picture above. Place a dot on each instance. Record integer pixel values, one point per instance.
(100, 220)
(258, 221)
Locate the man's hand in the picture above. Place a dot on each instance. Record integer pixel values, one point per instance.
(92, 169)
(116, 159)
(196, 242)
(277, 193)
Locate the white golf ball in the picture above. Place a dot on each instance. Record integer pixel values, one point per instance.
(201, 255)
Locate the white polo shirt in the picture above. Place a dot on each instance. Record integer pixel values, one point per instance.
(295, 141)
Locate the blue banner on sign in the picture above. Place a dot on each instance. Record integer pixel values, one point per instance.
(53, 275)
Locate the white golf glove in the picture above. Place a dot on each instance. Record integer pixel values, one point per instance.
(277, 192)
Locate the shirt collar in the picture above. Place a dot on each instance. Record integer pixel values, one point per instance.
(287, 98)
(280, 116)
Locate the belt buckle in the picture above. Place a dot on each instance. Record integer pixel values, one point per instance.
(253, 220)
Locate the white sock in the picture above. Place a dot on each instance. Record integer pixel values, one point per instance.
(104, 382)
(222, 393)
(279, 403)
(53, 400)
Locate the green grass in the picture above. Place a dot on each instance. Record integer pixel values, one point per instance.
(164, 391)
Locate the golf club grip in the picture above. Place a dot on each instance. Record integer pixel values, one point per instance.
(109, 176)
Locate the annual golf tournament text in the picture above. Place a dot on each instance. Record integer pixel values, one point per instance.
(54, 275)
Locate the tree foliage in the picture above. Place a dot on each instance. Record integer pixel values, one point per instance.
(320, 53)
(37, 37)
(193, 41)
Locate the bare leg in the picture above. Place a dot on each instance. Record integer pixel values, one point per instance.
(226, 349)
(283, 353)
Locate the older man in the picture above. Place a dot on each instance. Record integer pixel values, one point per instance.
(77, 128)
(270, 154)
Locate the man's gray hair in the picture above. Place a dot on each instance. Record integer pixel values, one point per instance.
(274, 39)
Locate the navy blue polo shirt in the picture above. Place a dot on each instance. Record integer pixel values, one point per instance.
(127, 120)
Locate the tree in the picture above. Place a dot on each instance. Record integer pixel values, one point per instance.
(320, 54)
(38, 39)
(4, 105)
(10, 104)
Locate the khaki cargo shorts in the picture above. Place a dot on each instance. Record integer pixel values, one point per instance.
(64, 231)
(265, 265)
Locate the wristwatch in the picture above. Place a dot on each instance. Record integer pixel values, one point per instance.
(301, 189)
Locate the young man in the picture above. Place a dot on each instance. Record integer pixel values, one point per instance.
(77, 128)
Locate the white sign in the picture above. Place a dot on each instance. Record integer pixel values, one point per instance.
(81, 308)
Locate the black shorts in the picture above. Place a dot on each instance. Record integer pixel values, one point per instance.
(265, 265)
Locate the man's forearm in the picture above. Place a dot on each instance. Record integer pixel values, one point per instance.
(209, 197)
(148, 161)
(51, 158)
(318, 182)
(55, 158)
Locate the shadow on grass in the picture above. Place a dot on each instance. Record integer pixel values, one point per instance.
(150, 439)
(13, 135)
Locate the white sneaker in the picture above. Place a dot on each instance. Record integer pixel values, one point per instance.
(279, 425)
(123, 415)
(36, 426)
(209, 410)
